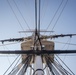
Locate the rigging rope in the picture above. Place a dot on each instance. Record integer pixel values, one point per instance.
(69, 41)
(58, 66)
(39, 18)
(37, 35)
(43, 14)
(16, 63)
(11, 65)
(65, 65)
(51, 66)
(7, 55)
(54, 15)
(15, 15)
(36, 15)
(60, 14)
(65, 43)
(26, 64)
(21, 15)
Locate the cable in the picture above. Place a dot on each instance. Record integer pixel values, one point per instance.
(36, 15)
(31, 67)
(65, 43)
(66, 65)
(39, 17)
(48, 63)
(61, 69)
(58, 66)
(11, 65)
(15, 15)
(26, 64)
(7, 55)
(37, 40)
(17, 63)
(37, 35)
(43, 14)
(21, 15)
(60, 15)
(69, 41)
(54, 15)
(40, 42)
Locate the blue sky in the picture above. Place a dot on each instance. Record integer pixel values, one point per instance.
(10, 21)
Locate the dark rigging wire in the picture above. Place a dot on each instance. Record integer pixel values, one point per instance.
(67, 47)
(11, 65)
(39, 25)
(60, 14)
(36, 15)
(60, 66)
(65, 43)
(37, 30)
(54, 15)
(7, 55)
(56, 64)
(65, 65)
(35, 22)
(15, 15)
(39, 18)
(44, 11)
(21, 14)
(16, 64)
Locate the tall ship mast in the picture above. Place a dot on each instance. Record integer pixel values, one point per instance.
(38, 55)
